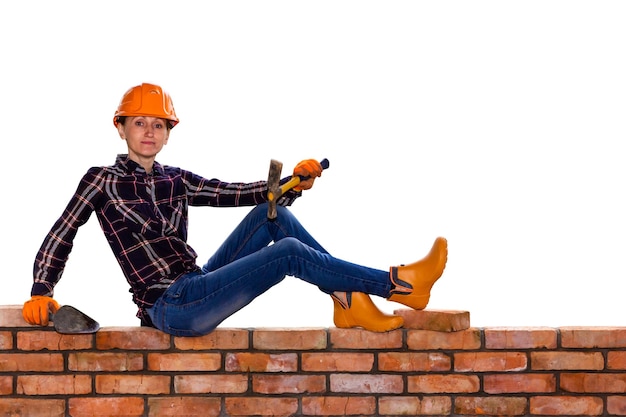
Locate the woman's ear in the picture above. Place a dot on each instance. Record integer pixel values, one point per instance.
(121, 131)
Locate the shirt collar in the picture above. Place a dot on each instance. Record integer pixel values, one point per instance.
(131, 166)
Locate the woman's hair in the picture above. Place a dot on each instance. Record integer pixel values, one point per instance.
(122, 120)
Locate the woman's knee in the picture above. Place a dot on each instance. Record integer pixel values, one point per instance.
(289, 246)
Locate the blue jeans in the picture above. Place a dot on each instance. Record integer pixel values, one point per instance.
(247, 264)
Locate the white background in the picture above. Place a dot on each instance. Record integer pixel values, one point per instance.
(497, 124)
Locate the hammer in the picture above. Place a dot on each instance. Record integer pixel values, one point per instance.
(275, 190)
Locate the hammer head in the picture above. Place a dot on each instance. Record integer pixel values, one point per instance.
(273, 187)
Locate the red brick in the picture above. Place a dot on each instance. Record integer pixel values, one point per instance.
(183, 406)
(512, 383)
(493, 405)
(428, 340)
(32, 407)
(105, 361)
(261, 362)
(6, 341)
(363, 339)
(415, 406)
(288, 384)
(520, 338)
(413, 361)
(6, 385)
(566, 360)
(366, 383)
(24, 362)
(294, 339)
(616, 405)
(263, 406)
(184, 361)
(566, 405)
(338, 406)
(43, 339)
(132, 384)
(435, 320)
(209, 384)
(593, 337)
(335, 361)
(448, 383)
(130, 338)
(219, 339)
(53, 384)
(106, 407)
(616, 360)
(490, 362)
(593, 382)
(11, 316)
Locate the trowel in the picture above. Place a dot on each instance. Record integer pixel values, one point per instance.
(69, 320)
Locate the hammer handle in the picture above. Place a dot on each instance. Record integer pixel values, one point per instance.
(299, 178)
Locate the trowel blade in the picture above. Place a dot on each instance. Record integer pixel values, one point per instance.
(69, 320)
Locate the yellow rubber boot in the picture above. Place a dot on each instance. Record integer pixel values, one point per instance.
(356, 309)
(412, 283)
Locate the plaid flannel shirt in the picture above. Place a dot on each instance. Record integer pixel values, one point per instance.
(144, 219)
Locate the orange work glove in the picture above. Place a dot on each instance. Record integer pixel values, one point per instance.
(307, 168)
(36, 310)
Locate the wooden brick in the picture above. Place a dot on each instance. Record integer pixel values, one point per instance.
(493, 405)
(428, 340)
(40, 407)
(24, 362)
(566, 360)
(132, 384)
(261, 362)
(219, 339)
(363, 339)
(131, 338)
(106, 407)
(211, 384)
(413, 362)
(294, 339)
(516, 383)
(415, 405)
(520, 338)
(260, 406)
(184, 406)
(448, 383)
(338, 406)
(366, 383)
(566, 405)
(593, 382)
(184, 361)
(593, 337)
(490, 362)
(435, 320)
(53, 384)
(45, 339)
(288, 384)
(105, 361)
(336, 361)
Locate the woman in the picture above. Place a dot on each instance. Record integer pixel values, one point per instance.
(142, 209)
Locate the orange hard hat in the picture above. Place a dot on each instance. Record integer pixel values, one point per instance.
(147, 100)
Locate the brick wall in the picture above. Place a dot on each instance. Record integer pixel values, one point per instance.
(438, 365)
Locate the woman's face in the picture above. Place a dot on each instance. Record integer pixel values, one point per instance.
(144, 135)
